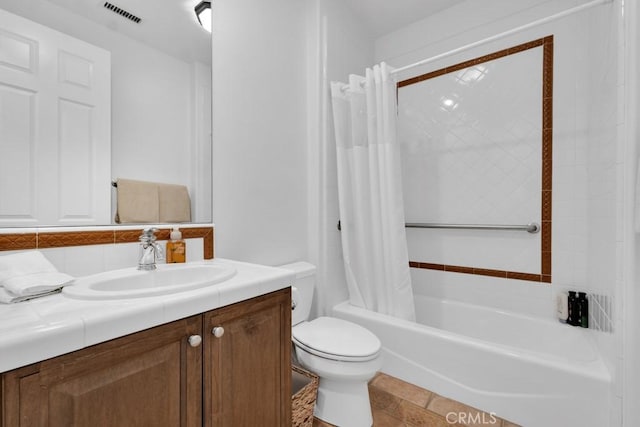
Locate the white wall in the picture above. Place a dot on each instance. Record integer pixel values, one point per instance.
(259, 130)
(631, 271)
(588, 151)
(151, 101)
(338, 45)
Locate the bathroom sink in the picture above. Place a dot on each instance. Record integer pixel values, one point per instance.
(133, 283)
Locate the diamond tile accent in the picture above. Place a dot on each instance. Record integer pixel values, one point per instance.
(13, 242)
(600, 312)
(127, 236)
(82, 238)
(479, 161)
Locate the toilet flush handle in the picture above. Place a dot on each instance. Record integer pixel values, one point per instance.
(218, 331)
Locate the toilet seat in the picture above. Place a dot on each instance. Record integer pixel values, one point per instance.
(336, 339)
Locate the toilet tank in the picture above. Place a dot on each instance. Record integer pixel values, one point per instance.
(302, 290)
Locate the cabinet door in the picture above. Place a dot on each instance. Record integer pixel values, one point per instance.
(151, 378)
(247, 370)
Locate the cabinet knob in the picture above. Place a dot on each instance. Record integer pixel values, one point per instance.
(195, 340)
(218, 331)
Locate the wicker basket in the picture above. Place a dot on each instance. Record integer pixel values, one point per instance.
(305, 390)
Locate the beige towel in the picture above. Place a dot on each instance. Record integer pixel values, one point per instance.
(138, 201)
(175, 204)
(152, 202)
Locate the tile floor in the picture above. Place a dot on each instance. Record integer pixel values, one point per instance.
(396, 403)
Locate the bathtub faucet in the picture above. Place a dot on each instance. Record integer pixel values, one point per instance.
(150, 251)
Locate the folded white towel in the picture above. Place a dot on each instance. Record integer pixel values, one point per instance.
(30, 273)
(8, 298)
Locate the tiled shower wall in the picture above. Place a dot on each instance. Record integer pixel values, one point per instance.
(473, 152)
(588, 158)
(582, 181)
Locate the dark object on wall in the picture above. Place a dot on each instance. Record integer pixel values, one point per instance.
(583, 308)
(574, 310)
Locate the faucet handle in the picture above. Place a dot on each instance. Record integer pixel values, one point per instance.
(159, 252)
(148, 234)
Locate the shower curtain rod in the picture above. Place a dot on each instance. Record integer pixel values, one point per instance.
(503, 34)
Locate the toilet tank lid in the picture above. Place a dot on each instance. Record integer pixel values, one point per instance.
(301, 269)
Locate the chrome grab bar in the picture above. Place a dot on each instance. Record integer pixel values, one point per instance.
(532, 227)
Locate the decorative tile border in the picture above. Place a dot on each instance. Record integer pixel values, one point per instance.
(16, 242)
(54, 239)
(481, 271)
(547, 160)
(82, 238)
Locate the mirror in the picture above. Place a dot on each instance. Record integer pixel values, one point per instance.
(160, 100)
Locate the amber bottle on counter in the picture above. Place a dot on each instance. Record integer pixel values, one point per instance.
(176, 247)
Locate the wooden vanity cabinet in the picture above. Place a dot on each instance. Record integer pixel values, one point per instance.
(148, 378)
(247, 368)
(155, 377)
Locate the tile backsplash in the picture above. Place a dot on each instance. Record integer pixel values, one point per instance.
(81, 251)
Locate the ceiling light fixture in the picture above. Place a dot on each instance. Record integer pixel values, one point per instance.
(203, 12)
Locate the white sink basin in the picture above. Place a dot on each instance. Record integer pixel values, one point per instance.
(133, 283)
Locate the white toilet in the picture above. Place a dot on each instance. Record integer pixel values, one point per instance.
(344, 355)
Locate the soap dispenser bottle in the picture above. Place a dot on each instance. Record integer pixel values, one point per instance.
(176, 247)
(583, 304)
(562, 306)
(573, 318)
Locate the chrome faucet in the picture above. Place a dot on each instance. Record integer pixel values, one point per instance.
(150, 251)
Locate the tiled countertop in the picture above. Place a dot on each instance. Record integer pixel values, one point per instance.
(46, 327)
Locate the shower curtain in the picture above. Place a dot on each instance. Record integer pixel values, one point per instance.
(370, 193)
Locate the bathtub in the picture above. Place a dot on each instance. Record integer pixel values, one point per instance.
(532, 371)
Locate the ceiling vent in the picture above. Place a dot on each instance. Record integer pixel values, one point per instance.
(122, 12)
